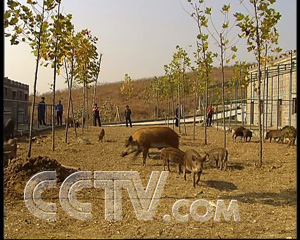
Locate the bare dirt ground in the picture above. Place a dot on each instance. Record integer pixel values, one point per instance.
(266, 196)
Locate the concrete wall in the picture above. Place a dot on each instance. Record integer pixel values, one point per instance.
(270, 104)
(18, 108)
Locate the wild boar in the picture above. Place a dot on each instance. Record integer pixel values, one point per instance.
(290, 133)
(237, 132)
(219, 155)
(193, 162)
(8, 130)
(171, 154)
(275, 134)
(10, 151)
(247, 134)
(151, 137)
(101, 135)
(69, 122)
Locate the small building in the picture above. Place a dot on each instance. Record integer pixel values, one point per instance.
(278, 93)
(15, 101)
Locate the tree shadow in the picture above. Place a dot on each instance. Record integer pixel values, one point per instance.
(287, 197)
(221, 185)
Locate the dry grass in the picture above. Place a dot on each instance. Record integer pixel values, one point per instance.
(266, 196)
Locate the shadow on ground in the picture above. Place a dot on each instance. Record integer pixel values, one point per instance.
(287, 197)
(221, 185)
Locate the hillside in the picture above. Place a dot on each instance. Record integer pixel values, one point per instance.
(140, 107)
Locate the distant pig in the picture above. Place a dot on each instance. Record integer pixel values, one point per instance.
(237, 132)
(8, 130)
(247, 134)
(101, 135)
(290, 133)
(275, 134)
(69, 121)
(193, 162)
(219, 155)
(171, 154)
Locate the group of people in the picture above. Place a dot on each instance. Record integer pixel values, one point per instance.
(59, 110)
(210, 112)
(96, 114)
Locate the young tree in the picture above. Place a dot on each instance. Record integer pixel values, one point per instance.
(58, 46)
(206, 56)
(224, 44)
(169, 88)
(127, 87)
(97, 71)
(259, 30)
(31, 26)
(86, 63)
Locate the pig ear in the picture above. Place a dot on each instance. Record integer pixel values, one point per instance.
(130, 139)
(194, 158)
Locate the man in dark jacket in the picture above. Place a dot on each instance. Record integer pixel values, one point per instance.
(127, 116)
(42, 111)
(59, 111)
(96, 115)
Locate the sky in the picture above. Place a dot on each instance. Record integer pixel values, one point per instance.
(138, 37)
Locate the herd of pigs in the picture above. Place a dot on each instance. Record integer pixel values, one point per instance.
(166, 140)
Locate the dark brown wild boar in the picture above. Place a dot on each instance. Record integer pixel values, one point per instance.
(171, 154)
(247, 134)
(237, 132)
(151, 137)
(275, 134)
(192, 161)
(219, 155)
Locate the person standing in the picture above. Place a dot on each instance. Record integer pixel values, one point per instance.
(127, 116)
(42, 111)
(210, 111)
(177, 115)
(96, 115)
(59, 111)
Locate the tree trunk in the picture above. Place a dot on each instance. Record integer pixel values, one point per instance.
(259, 86)
(195, 103)
(35, 82)
(223, 89)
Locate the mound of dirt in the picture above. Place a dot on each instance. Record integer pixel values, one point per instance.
(19, 171)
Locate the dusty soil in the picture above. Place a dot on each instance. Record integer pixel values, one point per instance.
(266, 196)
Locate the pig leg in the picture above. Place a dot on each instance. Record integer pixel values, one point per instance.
(164, 164)
(184, 173)
(179, 168)
(138, 151)
(198, 176)
(194, 176)
(169, 165)
(145, 153)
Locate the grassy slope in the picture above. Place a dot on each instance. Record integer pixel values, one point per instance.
(140, 108)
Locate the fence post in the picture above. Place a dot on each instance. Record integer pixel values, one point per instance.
(277, 122)
(291, 88)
